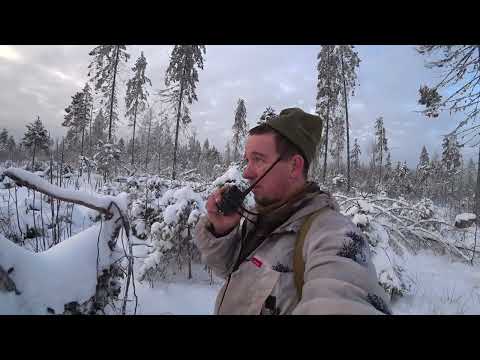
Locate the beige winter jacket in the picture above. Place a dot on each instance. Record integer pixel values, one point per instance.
(339, 276)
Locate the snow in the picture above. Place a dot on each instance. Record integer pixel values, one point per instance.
(440, 286)
(64, 273)
(433, 284)
(156, 227)
(99, 201)
(360, 219)
(465, 217)
(177, 200)
(176, 299)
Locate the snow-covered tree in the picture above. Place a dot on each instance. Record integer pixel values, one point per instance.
(451, 162)
(148, 119)
(136, 98)
(338, 139)
(121, 147)
(105, 66)
(355, 156)
(98, 129)
(460, 78)
(228, 154)
(239, 130)
(381, 145)
(388, 165)
(328, 90)
(11, 147)
(267, 114)
(77, 118)
(4, 140)
(36, 138)
(451, 156)
(349, 61)
(423, 170)
(181, 78)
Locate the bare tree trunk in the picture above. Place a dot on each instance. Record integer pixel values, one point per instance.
(33, 158)
(159, 153)
(178, 123)
(346, 121)
(381, 157)
(90, 132)
(52, 206)
(148, 139)
(113, 94)
(189, 254)
(34, 223)
(81, 151)
(326, 144)
(475, 244)
(16, 208)
(60, 185)
(477, 190)
(134, 125)
(43, 225)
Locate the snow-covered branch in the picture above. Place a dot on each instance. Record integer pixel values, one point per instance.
(27, 179)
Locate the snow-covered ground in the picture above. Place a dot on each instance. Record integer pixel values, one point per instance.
(440, 286)
(178, 297)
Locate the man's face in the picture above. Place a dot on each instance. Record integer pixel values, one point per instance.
(260, 154)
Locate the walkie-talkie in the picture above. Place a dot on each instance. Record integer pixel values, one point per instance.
(233, 197)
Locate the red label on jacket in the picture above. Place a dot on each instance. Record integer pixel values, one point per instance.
(256, 262)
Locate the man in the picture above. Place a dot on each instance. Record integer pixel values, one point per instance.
(258, 256)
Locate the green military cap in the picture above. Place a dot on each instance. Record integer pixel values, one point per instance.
(301, 128)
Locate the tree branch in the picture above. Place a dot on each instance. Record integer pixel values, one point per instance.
(31, 181)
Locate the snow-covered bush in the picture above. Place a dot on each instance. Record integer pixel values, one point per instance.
(171, 236)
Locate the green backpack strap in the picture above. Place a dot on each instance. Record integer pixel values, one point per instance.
(298, 262)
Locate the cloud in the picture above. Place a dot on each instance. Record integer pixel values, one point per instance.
(40, 80)
(10, 54)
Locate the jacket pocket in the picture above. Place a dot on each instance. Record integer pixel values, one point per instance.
(249, 288)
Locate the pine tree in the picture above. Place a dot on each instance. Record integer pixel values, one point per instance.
(182, 75)
(328, 90)
(338, 139)
(239, 129)
(336, 68)
(451, 160)
(423, 171)
(380, 145)
(98, 128)
(77, 117)
(149, 119)
(424, 158)
(136, 96)
(461, 79)
(11, 147)
(121, 147)
(349, 62)
(355, 156)
(451, 156)
(204, 160)
(228, 154)
(106, 65)
(388, 163)
(268, 113)
(36, 139)
(4, 140)
(470, 182)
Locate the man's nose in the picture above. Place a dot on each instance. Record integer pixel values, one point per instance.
(247, 172)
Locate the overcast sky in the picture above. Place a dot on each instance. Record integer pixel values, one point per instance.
(40, 80)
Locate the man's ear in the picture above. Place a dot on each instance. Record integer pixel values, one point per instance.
(297, 164)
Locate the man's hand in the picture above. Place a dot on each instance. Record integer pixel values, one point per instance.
(222, 225)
